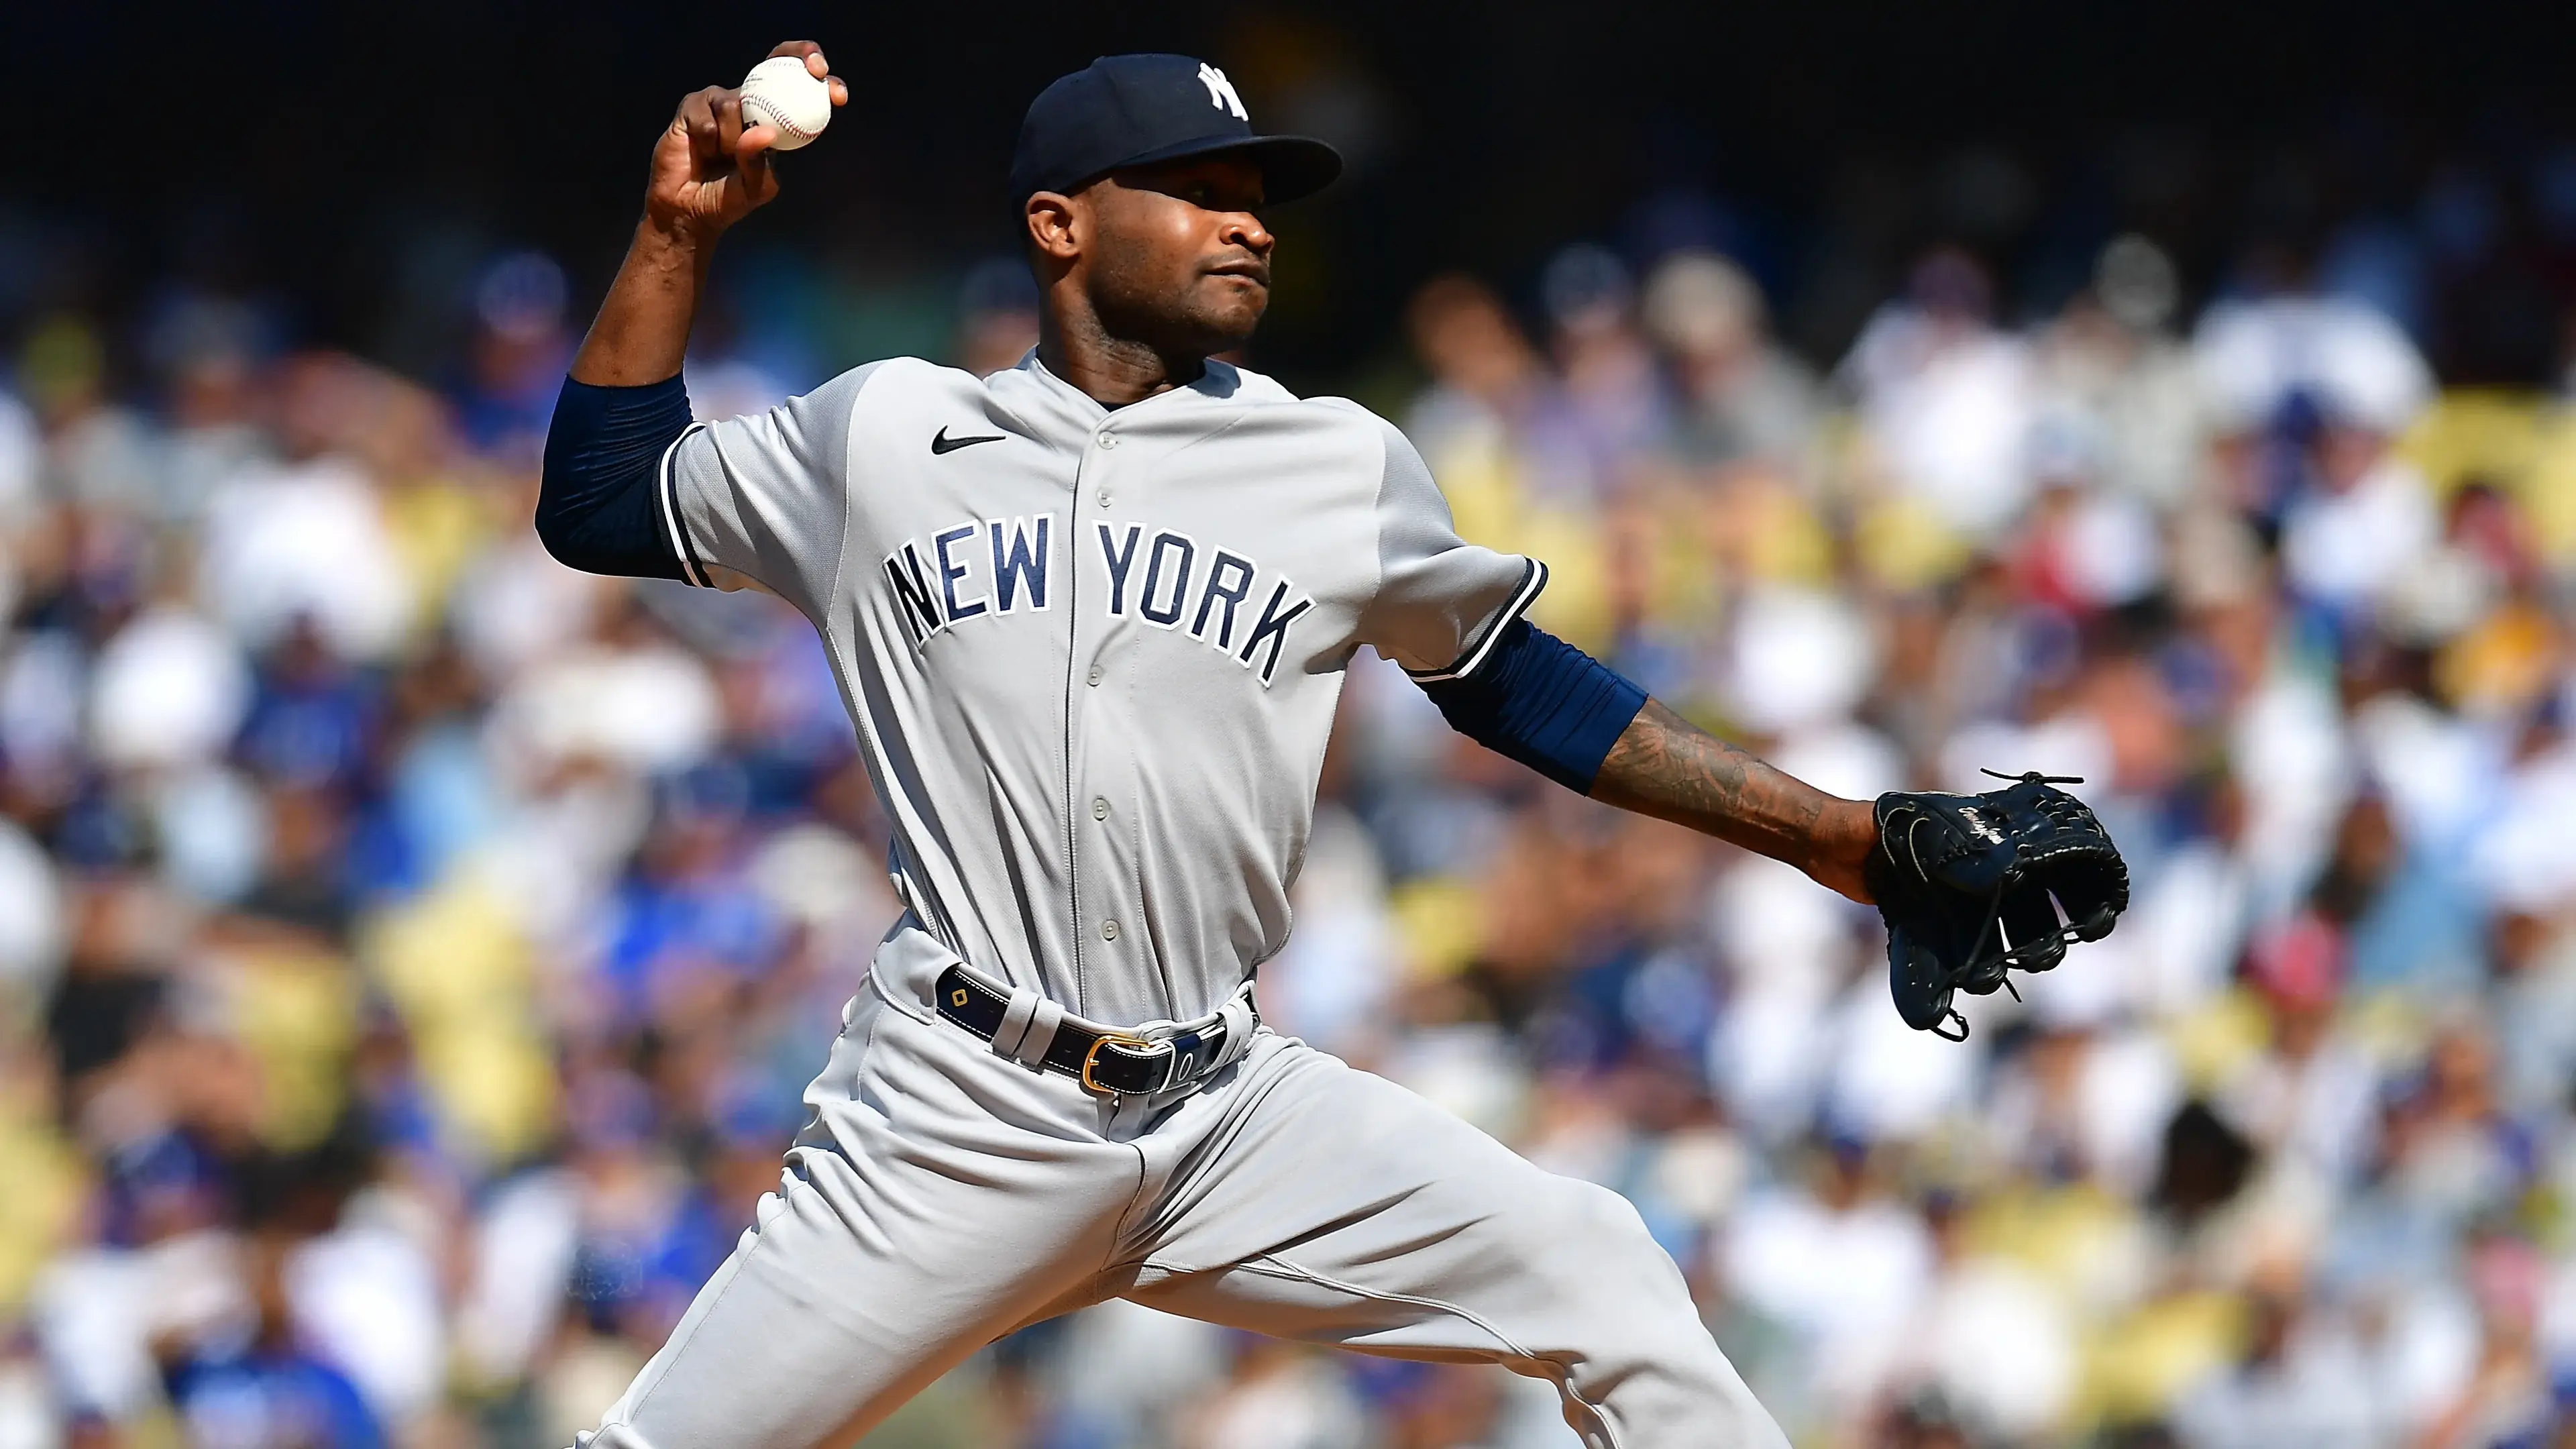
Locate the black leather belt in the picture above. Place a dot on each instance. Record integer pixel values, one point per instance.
(1113, 1064)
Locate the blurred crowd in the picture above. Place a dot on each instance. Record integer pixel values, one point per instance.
(411, 951)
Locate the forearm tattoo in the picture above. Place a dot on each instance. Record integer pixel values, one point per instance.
(1665, 766)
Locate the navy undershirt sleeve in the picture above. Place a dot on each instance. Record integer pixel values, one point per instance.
(599, 509)
(1543, 702)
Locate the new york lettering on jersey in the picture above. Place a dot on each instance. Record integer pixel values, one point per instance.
(995, 567)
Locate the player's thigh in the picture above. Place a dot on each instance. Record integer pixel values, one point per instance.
(931, 1208)
(1361, 1212)
(801, 1338)
(1344, 1209)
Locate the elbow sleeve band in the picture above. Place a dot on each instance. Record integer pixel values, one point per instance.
(596, 509)
(1543, 702)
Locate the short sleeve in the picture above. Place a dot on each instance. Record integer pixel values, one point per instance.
(766, 496)
(1441, 601)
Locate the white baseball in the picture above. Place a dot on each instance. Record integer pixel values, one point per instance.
(782, 94)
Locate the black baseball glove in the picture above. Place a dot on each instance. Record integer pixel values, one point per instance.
(1972, 886)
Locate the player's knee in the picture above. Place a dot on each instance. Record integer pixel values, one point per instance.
(1610, 1217)
(1596, 1224)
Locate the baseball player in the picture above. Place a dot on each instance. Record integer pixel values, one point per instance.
(1090, 615)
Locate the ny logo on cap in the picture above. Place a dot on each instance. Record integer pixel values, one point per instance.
(1221, 91)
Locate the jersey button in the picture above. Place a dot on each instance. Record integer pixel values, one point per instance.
(1109, 930)
(1108, 440)
(1103, 495)
(1099, 809)
(1093, 679)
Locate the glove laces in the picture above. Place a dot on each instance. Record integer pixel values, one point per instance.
(2033, 777)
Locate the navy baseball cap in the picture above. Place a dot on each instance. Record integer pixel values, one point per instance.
(1135, 110)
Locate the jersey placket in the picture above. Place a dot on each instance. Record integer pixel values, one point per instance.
(1095, 709)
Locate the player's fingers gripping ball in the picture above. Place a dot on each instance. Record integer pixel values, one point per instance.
(782, 94)
(1974, 886)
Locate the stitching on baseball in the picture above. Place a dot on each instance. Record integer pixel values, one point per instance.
(779, 121)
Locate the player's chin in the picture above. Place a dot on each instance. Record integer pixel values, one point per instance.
(1228, 309)
(1214, 326)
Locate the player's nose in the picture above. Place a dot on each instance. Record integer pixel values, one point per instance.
(1245, 230)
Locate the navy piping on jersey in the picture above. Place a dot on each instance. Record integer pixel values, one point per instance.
(597, 508)
(1533, 579)
(1541, 701)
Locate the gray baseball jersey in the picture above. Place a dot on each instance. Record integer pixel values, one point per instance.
(1093, 655)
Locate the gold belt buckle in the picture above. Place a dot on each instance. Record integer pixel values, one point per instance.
(1091, 1057)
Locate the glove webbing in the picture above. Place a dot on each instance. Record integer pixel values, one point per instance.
(2013, 956)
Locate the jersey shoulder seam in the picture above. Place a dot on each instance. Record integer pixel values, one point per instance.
(1377, 500)
(1377, 497)
(841, 549)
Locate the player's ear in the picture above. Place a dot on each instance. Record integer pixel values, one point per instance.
(1054, 225)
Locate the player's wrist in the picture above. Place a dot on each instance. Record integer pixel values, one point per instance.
(1852, 826)
(1841, 844)
(1857, 831)
(676, 237)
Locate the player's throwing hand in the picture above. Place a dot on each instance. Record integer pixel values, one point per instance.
(710, 169)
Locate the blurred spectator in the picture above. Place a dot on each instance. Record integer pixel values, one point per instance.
(999, 307)
(1947, 398)
(1745, 399)
(1615, 401)
(2299, 1383)
(307, 536)
(97, 452)
(2120, 415)
(516, 362)
(1838, 1262)
(271, 1390)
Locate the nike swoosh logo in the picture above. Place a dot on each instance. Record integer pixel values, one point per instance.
(946, 444)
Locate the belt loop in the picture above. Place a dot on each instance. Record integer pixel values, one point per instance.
(1241, 1019)
(1032, 1049)
(1015, 1021)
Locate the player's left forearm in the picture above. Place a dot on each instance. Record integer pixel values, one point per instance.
(1664, 766)
(1539, 700)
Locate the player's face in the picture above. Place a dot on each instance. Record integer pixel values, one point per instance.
(1179, 257)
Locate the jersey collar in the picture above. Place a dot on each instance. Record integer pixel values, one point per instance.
(1216, 381)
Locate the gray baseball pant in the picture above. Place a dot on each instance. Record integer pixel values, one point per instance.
(945, 1195)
